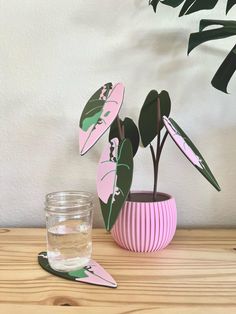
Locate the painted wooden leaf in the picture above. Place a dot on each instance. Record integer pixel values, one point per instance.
(230, 4)
(189, 150)
(225, 72)
(131, 132)
(148, 115)
(93, 273)
(98, 114)
(114, 178)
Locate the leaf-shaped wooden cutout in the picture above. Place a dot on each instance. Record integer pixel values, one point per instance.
(148, 115)
(189, 150)
(98, 114)
(131, 132)
(114, 178)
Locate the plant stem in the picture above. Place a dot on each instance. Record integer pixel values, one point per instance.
(157, 149)
(154, 169)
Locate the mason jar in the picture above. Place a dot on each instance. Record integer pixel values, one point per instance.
(69, 229)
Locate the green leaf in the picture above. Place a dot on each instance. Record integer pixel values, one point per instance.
(172, 3)
(154, 4)
(148, 115)
(227, 29)
(115, 172)
(131, 132)
(191, 6)
(225, 71)
(230, 4)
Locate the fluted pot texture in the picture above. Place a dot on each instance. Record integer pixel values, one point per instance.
(144, 225)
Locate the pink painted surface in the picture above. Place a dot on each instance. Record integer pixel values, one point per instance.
(145, 226)
(112, 106)
(106, 173)
(97, 275)
(179, 140)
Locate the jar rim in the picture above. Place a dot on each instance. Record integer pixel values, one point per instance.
(68, 201)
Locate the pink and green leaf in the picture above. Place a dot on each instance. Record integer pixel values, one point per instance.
(98, 114)
(189, 150)
(114, 178)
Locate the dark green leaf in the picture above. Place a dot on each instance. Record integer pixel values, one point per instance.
(225, 71)
(154, 4)
(230, 4)
(191, 6)
(172, 3)
(131, 132)
(148, 115)
(227, 29)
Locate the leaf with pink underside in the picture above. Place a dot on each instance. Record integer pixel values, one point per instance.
(114, 178)
(98, 114)
(189, 150)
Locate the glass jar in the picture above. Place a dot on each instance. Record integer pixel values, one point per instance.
(69, 229)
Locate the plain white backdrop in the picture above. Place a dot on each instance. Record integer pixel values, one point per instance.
(55, 54)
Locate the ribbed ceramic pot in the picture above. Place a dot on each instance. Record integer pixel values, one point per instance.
(146, 226)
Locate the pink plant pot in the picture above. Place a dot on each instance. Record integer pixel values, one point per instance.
(146, 226)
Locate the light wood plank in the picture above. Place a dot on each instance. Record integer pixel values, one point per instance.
(197, 269)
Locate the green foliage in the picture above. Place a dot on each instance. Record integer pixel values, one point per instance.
(227, 28)
(148, 115)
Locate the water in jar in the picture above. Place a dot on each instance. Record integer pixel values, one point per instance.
(69, 245)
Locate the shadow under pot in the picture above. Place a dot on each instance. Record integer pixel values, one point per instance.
(144, 225)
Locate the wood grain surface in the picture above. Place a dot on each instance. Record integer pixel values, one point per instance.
(195, 274)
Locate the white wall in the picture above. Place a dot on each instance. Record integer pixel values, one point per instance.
(55, 54)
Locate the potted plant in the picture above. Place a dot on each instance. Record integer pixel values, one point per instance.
(141, 221)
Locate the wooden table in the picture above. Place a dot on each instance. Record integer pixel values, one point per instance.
(195, 274)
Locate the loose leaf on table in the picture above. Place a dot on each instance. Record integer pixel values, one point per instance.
(98, 114)
(93, 273)
(148, 115)
(130, 130)
(225, 71)
(225, 29)
(189, 150)
(114, 178)
(230, 4)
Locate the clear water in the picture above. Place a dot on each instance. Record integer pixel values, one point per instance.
(69, 245)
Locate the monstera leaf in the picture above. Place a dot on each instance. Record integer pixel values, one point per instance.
(189, 6)
(225, 29)
(114, 178)
(130, 132)
(230, 4)
(189, 150)
(98, 114)
(148, 115)
(225, 71)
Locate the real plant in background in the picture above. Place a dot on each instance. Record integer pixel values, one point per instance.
(223, 29)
